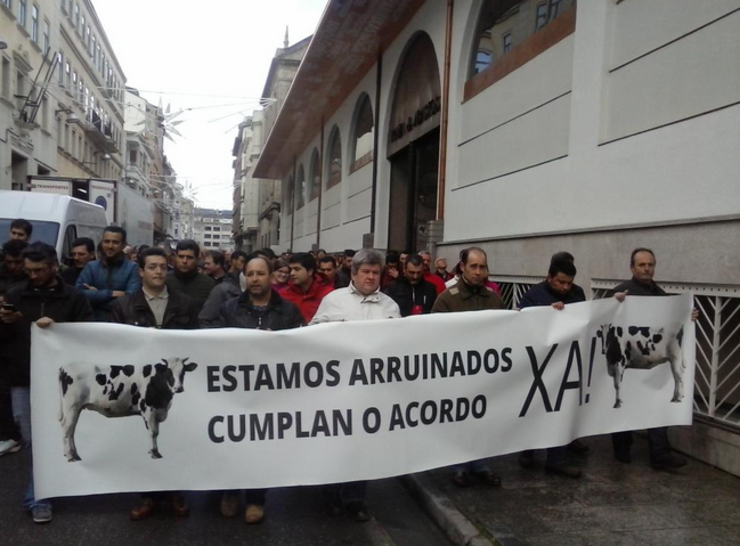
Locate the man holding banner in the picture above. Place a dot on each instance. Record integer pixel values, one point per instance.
(44, 300)
(153, 306)
(361, 300)
(642, 266)
(471, 294)
(259, 307)
(557, 290)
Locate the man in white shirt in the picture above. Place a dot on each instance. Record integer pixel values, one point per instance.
(361, 300)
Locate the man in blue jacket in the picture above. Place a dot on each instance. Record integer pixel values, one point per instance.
(111, 277)
(557, 290)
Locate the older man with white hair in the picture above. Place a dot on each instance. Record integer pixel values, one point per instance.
(361, 300)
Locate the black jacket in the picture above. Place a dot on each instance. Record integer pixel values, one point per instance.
(8, 281)
(240, 313)
(636, 288)
(61, 303)
(541, 295)
(180, 313)
(194, 285)
(230, 288)
(406, 295)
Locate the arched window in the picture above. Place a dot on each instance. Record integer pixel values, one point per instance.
(301, 189)
(315, 176)
(334, 159)
(364, 125)
(289, 196)
(507, 27)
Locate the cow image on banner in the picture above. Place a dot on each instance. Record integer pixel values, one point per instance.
(119, 391)
(642, 348)
(347, 401)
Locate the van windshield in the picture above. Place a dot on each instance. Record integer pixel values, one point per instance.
(46, 232)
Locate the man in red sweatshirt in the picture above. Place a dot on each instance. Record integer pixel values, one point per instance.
(306, 287)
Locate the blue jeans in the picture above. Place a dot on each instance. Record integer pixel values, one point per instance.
(21, 397)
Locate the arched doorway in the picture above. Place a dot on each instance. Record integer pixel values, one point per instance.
(413, 147)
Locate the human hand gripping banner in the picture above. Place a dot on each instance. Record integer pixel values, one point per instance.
(120, 408)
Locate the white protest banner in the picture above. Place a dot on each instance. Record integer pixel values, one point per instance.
(347, 401)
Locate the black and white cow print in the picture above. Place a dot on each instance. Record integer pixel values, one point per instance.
(642, 347)
(119, 391)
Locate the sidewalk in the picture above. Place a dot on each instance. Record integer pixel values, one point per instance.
(611, 504)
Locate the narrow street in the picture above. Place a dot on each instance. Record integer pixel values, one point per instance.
(294, 517)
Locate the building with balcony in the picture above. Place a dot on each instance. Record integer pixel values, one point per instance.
(90, 88)
(61, 93)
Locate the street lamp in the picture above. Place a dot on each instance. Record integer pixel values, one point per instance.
(3, 44)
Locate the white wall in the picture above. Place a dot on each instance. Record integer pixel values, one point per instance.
(657, 174)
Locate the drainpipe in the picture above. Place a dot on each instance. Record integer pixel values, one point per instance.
(444, 120)
(376, 139)
(321, 186)
(292, 206)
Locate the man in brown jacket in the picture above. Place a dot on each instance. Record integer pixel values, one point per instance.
(470, 294)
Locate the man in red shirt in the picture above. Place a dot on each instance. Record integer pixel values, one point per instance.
(430, 277)
(306, 288)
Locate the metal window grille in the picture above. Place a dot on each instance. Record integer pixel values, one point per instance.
(513, 288)
(717, 379)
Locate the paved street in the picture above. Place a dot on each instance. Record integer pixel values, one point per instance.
(294, 518)
(613, 504)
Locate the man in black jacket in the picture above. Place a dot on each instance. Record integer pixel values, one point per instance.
(11, 275)
(185, 278)
(642, 266)
(44, 300)
(259, 307)
(410, 291)
(153, 306)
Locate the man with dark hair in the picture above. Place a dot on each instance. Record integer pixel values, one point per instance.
(111, 277)
(44, 300)
(328, 268)
(642, 266)
(185, 277)
(411, 292)
(470, 293)
(430, 277)
(557, 290)
(152, 306)
(237, 263)
(306, 288)
(232, 287)
(11, 275)
(83, 252)
(11, 268)
(344, 274)
(259, 307)
(391, 271)
(361, 300)
(21, 230)
(215, 266)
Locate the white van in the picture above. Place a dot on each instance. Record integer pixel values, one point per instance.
(57, 219)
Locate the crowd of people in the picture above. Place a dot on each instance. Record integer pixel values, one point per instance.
(188, 289)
